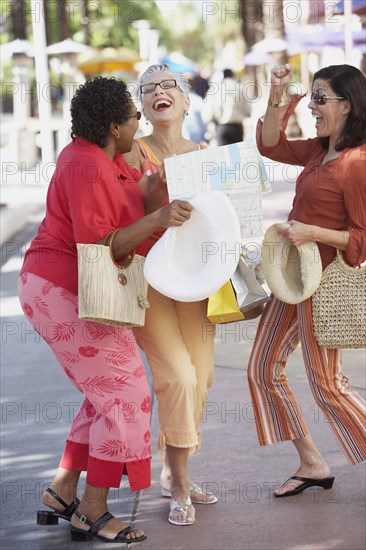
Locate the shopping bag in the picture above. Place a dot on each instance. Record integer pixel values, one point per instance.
(222, 306)
(249, 292)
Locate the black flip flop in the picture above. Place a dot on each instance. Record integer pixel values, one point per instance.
(326, 483)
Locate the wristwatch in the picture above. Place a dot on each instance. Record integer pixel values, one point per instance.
(273, 104)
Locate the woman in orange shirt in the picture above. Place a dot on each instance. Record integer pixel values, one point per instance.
(329, 208)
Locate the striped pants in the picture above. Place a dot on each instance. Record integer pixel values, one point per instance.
(277, 415)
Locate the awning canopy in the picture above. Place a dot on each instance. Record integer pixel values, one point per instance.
(108, 60)
(179, 63)
(17, 46)
(358, 6)
(67, 46)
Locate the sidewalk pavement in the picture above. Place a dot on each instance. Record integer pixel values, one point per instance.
(38, 405)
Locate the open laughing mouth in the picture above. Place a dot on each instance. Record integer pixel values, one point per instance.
(161, 104)
(318, 120)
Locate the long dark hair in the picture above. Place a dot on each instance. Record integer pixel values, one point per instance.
(95, 105)
(349, 82)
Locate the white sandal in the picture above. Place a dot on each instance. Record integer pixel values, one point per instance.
(192, 487)
(176, 507)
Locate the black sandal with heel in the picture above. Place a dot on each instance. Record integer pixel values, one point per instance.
(325, 483)
(47, 517)
(81, 535)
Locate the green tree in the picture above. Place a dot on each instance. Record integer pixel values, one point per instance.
(253, 31)
(17, 24)
(274, 27)
(251, 13)
(97, 23)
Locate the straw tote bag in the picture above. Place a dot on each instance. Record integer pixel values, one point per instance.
(339, 306)
(110, 293)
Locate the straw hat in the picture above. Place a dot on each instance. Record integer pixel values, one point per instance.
(190, 262)
(292, 273)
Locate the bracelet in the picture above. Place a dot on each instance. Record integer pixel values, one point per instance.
(273, 104)
(345, 239)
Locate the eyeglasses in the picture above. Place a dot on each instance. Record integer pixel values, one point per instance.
(164, 85)
(320, 98)
(137, 115)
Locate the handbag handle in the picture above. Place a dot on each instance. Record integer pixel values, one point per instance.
(110, 236)
(349, 268)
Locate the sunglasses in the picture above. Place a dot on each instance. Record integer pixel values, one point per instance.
(164, 85)
(137, 115)
(321, 98)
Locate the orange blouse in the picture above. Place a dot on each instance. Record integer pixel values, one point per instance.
(332, 195)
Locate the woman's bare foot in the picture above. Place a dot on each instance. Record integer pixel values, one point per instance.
(197, 495)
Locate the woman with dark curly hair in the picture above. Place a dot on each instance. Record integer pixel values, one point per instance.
(330, 208)
(92, 192)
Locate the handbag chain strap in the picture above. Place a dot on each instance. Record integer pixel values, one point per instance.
(110, 237)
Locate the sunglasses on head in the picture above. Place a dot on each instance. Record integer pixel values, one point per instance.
(320, 98)
(164, 85)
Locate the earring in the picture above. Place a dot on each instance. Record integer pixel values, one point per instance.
(147, 122)
(117, 136)
(187, 113)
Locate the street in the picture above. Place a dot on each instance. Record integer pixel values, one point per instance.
(38, 404)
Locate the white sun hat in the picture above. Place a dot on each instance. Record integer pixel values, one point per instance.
(292, 273)
(190, 262)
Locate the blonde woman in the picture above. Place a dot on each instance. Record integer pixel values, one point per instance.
(181, 361)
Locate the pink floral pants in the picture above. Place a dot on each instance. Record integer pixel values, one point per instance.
(110, 434)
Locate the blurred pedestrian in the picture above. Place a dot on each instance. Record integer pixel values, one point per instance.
(227, 107)
(194, 127)
(200, 85)
(329, 208)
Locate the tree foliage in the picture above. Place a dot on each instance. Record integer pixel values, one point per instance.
(93, 22)
(200, 34)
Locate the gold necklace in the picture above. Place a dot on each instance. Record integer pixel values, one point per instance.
(161, 153)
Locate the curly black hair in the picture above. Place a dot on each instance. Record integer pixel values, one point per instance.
(95, 105)
(348, 82)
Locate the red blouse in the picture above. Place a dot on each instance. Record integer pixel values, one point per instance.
(89, 196)
(332, 195)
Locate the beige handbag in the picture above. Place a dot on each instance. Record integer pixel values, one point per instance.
(110, 293)
(339, 306)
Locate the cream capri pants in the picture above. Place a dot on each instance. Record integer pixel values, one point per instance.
(178, 341)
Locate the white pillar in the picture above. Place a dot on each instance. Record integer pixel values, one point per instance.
(153, 46)
(43, 89)
(21, 100)
(143, 28)
(348, 39)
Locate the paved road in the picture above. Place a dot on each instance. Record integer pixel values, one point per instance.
(37, 405)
